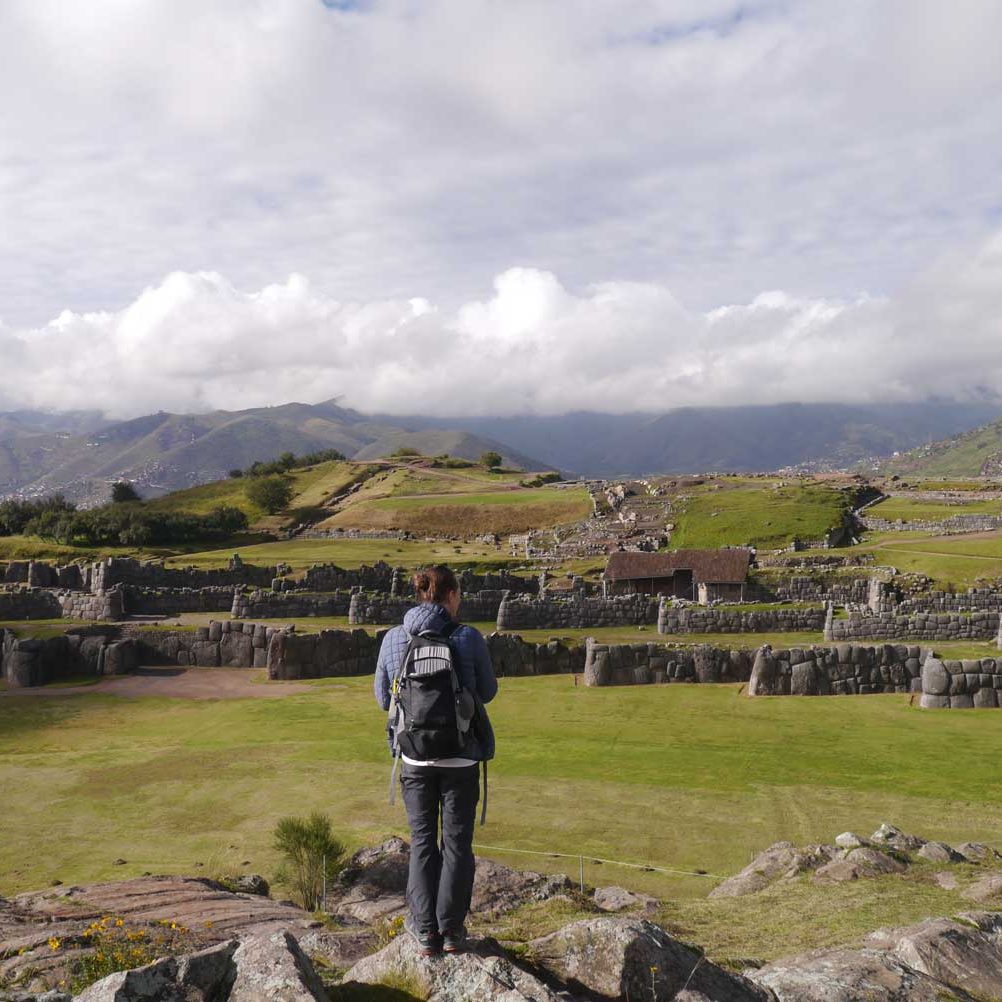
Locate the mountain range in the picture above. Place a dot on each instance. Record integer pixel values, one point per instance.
(81, 452)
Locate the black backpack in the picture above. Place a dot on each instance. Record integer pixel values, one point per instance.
(430, 714)
(433, 711)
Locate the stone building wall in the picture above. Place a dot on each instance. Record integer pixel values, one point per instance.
(29, 603)
(576, 612)
(945, 601)
(696, 619)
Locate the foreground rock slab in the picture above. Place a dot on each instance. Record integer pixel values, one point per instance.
(484, 973)
(627, 958)
(965, 954)
(852, 976)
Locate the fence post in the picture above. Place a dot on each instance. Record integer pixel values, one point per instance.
(581, 874)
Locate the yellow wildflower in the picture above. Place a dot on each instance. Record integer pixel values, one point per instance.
(54, 943)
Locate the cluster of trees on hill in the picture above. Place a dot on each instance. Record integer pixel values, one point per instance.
(116, 524)
(286, 462)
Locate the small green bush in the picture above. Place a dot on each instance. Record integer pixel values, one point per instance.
(312, 855)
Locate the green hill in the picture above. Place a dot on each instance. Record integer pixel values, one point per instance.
(976, 453)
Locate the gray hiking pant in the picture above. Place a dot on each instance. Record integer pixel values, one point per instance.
(440, 879)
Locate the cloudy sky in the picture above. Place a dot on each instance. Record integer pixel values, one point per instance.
(615, 204)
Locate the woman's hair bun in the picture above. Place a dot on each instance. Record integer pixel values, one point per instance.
(434, 584)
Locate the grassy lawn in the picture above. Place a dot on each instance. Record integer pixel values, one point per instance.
(502, 511)
(908, 509)
(684, 777)
(761, 514)
(956, 561)
(301, 553)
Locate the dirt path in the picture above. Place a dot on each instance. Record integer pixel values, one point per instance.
(179, 683)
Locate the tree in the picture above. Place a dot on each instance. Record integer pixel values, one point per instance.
(272, 493)
(124, 491)
(236, 473)
(313, 855)
(491, 459)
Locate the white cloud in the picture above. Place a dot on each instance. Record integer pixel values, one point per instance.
(396, 148)
(195, 341)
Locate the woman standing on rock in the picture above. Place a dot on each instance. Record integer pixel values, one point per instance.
(433, 676)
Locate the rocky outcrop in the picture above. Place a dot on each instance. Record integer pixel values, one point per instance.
(614, 958)
(851, 976)
(887, 851)
(485, 973)
(782, 861)
(371, 887)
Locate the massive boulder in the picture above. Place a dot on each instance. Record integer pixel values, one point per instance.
(274, 967)
(617, 958)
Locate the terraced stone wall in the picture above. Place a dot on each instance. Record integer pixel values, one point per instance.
(928, 627)
(140, 601)
(694, 619)
(29, 603)
(33, 661)
(289, 604)
(641, 664)
(150, 574)
(576, 612)
(961, 684)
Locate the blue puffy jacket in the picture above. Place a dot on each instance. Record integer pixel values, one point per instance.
(476, 673)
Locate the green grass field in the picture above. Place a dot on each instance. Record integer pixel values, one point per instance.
(915, 509)
(957, 561)
(682, 777)
(301, 553)
(501, 512)
(759, 513)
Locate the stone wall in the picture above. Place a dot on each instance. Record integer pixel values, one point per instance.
(150, 574)
(329, 577)
(29, 603)
(838, 588)
(229, 644)
(924, 626)
(41, 574)
(382, 609)
(961, 684)
(101, 608)
(844, 669)
(720, 619)
(513, 656)
(32, 661)
(641, 664)
(948, 526)
(289, 604)
(330, 653)
(140, 601)
(945, 601)
(576, 612)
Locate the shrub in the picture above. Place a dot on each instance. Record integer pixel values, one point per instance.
(15, 515)
(123, 491)
(491, 459)
(404, 452)
(271, 493)
(312, 855)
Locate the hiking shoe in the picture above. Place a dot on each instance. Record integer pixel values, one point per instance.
(454, 942)
(429, 943)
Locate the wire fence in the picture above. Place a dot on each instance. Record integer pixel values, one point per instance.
(582, 859)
